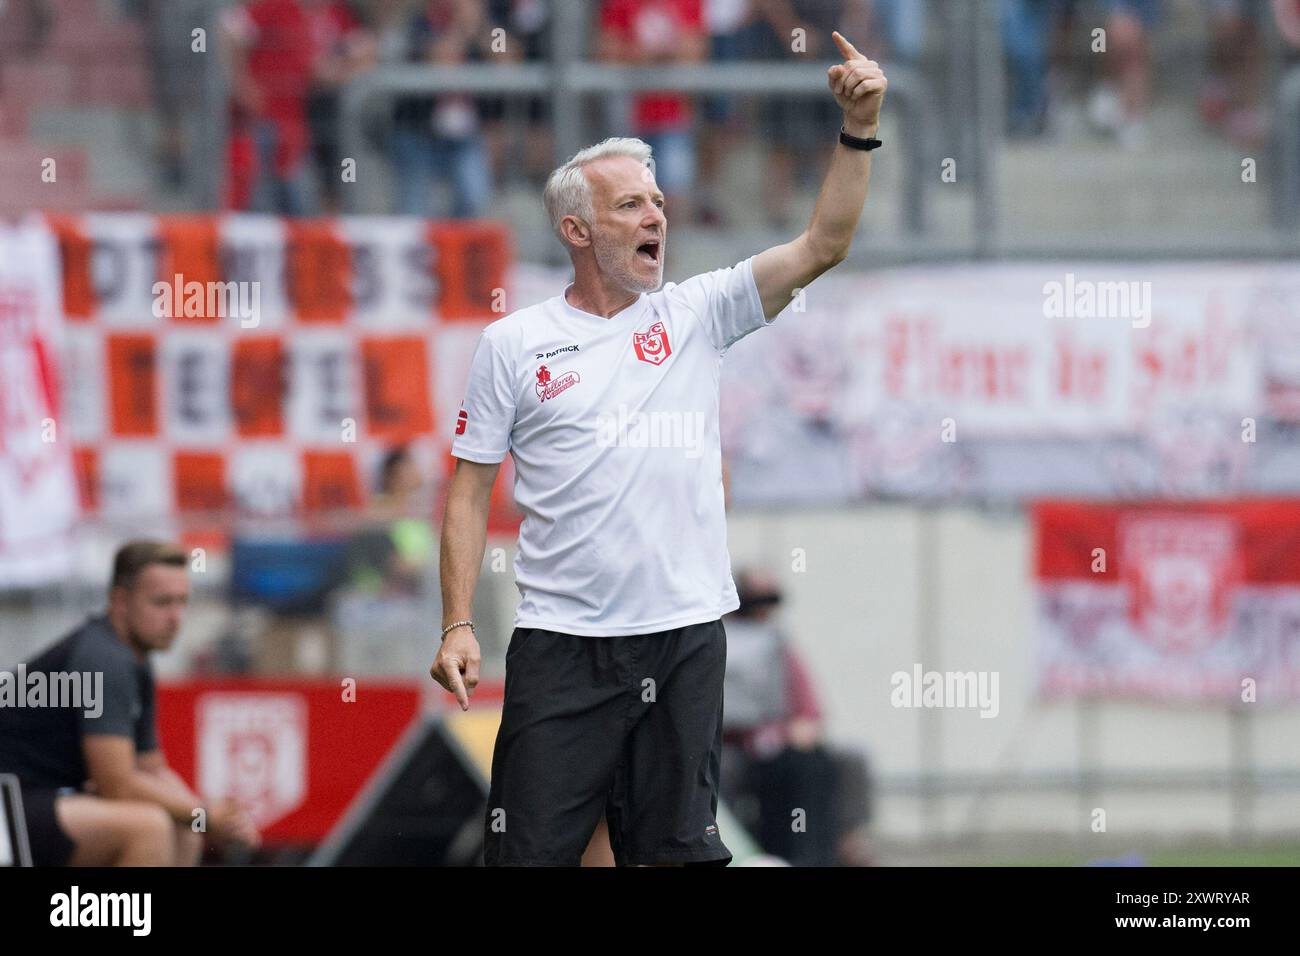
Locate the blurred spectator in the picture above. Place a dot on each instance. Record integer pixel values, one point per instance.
(388, 20)
(902, 26)
(797, 129)
(25, 25)
(440, 137)
(729, 23)
(270, 60)
(1119, 105)
(1230, 95)
(527, 26)
(1026, 30)
(343, 48)
(394, 554)
(1287, 14)
(774, 757)
(657, 33)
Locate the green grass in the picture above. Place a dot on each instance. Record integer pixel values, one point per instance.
(1277, 855)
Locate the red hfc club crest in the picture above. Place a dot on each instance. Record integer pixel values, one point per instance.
(652, 346)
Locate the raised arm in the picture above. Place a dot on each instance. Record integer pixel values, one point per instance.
(859, 88)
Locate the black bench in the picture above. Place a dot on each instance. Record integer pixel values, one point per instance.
(14, 849)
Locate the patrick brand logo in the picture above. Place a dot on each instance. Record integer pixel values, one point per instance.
(76, 908)
(549, 386)
(554, 352)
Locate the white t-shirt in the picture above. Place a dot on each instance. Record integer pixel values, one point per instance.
(613, 425)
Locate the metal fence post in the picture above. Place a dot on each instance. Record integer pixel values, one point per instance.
(989, 109)
(567, 32)
(1286, 208)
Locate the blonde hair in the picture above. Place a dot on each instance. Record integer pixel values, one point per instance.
(568, 193)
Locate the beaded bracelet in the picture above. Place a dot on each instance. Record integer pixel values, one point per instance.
(456, 624)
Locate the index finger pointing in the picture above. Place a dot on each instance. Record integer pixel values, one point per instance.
(847, 49)
(452, 669)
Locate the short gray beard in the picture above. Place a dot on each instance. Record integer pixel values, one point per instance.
(622, 268)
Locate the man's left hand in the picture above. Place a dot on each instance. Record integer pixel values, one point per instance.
(859, 87)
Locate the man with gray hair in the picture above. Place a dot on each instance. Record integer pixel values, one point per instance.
(613, 692)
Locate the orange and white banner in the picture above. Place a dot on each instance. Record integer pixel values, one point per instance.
(263, 366)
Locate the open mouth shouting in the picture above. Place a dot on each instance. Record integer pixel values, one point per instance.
(649, 252)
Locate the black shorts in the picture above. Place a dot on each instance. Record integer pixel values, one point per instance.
(49, 844)
(628, 726)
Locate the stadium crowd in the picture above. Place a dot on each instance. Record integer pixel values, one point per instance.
(290, 58)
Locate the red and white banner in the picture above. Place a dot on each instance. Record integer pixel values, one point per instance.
(261, 367)
(38, 500)
(1170, 601)
(1008, 381)
(295, 752)
(1022, 350)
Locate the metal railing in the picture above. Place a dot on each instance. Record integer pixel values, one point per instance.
(566, 83)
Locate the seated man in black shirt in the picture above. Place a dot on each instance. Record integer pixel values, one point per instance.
(96, 789)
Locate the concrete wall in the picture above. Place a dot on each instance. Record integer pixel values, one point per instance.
(891, 586)
(886, 587)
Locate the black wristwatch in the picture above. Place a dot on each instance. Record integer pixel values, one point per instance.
(857, 142)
